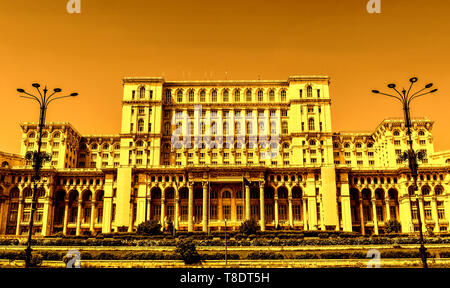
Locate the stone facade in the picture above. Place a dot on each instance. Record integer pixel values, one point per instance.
(185, 148)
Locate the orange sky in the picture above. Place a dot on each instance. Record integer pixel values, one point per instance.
(193, 40)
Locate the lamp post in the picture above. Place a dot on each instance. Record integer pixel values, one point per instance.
(405, 98)
(226, 246)
(38, 157)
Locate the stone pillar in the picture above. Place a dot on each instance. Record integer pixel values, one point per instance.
(108, 203)
(435, 214)
(247, 203)
(311, 196)
(422, 213)
(45, 216)
(405, 215)
(131, 218)
(388, 208)
(177, 208)
(291, 216)
(305, 213)
(191, 207)
(91, 228)
(66, 216)
(345, 204)
(205, 208)
(78, 218)
(163, 208)
(261, 206)
(19, 214)
(141, 200)
(361, 214)
(275, 201)
(375, 218)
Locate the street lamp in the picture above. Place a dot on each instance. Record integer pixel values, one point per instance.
(405, 98)
(38, 157)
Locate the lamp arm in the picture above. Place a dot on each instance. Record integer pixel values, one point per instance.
(401, 96)
(418, 91)
(31, 97)
(398, 98)
(48, 102)
(410, 99)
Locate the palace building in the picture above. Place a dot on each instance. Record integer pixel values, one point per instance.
(194, 153)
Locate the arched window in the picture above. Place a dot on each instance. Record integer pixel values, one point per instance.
(260, 96)
(283, 95)
(249, 127)
(312, 142)
(94, 146)
(213, 128)
(237, 127)
(369, 145)
(191, 95)
(226, 194)
(5, 164)
(202, 96)
(347, 145)
(167, 128)
(180, 96)
(284, 127)
(141, 125)
(225, 127)
(358, 145)
(248, 96)
(32, 135)
(272, 95)
(421, 133)
(311, 125)
(425, 190)
(56, 135)
(237, 96)
(309, 91)
(396, 133)
(438, 190)
(286, 145)
(105, 146)
(225, 95)
(44, 135)
(142, 92)
(214, 96)
(139, 143)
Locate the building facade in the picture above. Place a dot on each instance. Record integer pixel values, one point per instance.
(195, 153)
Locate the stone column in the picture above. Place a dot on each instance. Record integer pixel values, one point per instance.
(163, 206)
(45, 216)
(78, 218)
(345, 204)
(191, 207)
(261, 206)
(388, 207)
(275, 201)
(205, 208)
(91, 228)
(291, 216)
(361, 214)
(177, 208)
(19, 214)
(435, 214)
(305, 213)
(247, 203)
(375, 218)
(422, 213)
(131, 218)
(405, 215)
(66, 216)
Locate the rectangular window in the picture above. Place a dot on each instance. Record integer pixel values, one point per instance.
(297, 211)
(380, 213)
(239, 212)
(254, 212)
(226, 212)
(283, 212)
(213, 212)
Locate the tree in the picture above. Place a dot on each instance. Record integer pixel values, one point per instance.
(249, 227)
(151, 227)
(392, 226)
(186, 248)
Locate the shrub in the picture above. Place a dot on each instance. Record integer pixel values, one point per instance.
(306, 256)
(323, 235)
(186, 249)
(249, 227)
(265, 255)
(151, 227)
(36, 260)
(392, 226)
(106, 256)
